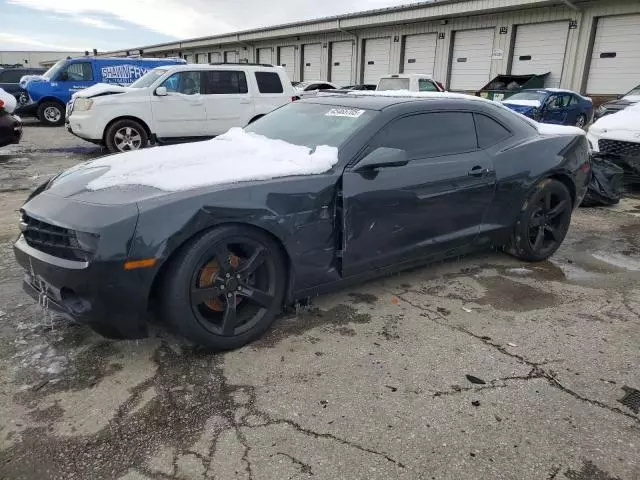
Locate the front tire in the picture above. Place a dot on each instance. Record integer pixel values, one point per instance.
(51, 113)
(224, 288)
(543, 223)
(126, 135)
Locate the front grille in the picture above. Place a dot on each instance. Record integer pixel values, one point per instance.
(57, 241)
(616, 147)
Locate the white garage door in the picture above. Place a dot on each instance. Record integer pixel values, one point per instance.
(311, 61)
(265, 55)
(376, 59)
(231, 56)
(471, 60)
(615, 63)
(419, 53)
(341, 63)
(288, 60)
(215, 57)
(540, 48)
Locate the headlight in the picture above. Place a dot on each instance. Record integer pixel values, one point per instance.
(82, 104)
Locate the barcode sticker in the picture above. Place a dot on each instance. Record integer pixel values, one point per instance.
(344, 112)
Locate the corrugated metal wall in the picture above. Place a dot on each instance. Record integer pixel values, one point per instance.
(398, 23)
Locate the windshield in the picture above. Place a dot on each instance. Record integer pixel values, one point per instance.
(311, 124)
(148, 78)
(537, 96)
(633, 93)
(53, 71)
(393, 84)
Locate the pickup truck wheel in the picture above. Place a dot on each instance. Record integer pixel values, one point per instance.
(126, 135)
(51, 113)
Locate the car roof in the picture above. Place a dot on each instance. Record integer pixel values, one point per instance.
(409, 75)
(378, 101)
(221, 66)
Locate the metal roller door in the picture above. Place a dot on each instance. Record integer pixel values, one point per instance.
(215, 57)
(419, 54)
(615, 62)
(287, 59)
(265, 55)
(311, 61)
(540, 48)
(341, 63)
(376, 59)
(231, 56)
(471, 59)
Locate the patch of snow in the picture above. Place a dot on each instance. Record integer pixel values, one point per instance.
(618, 260)
(8, 100)
(100, 89)
(236, 156)
(27, 78)
(627, 119)
(520, 271)
(524, 103)
(543, 128)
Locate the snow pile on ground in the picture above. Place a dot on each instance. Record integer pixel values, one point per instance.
(8, 101)
(523, 103)
(236, 156)
(543, 128)
(100, 89)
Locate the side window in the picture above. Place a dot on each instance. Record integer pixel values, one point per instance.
(77, 72)
(425, 85)
(430, 134)
(186, 83)
(489, 131)
(269, 82)
(574, 100)
(313, 86)
(224, 82)
(325, 86)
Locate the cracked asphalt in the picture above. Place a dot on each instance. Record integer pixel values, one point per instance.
(478, 368)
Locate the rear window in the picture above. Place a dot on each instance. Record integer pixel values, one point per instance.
(489, 131)
(224, 82)
(269, 82)
(393, 84)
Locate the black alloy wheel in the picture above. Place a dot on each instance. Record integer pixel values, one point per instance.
(225, 288)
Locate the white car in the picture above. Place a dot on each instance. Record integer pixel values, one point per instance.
(618, 133)
(413, 82)
(310, 89)
(177, 103)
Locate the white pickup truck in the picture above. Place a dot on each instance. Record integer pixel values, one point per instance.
(177, 103)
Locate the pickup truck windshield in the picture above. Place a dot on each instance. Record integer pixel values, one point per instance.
(53, 71)
(148, 78)
(311, 124)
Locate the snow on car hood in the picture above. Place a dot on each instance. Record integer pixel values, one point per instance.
(8, 100)
(543, 128)
(627, 119)
(523, 103)
(100, 89)
(236, 156)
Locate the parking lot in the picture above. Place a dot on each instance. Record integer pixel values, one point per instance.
(481, 367)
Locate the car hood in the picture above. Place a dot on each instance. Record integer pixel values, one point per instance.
(101, 89)
(627, 119)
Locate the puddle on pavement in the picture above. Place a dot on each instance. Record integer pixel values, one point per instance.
(511, 296)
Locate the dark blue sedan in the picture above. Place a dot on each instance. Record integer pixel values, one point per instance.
(551, 105)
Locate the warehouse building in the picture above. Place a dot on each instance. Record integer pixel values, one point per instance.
(33, 59)
(591, 46)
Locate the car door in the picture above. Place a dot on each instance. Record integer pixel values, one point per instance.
(227, 100)
(555, 108)
(74, 77)
(180, 113)
(432, 205)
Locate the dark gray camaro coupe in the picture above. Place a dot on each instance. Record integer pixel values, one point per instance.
(417, 179)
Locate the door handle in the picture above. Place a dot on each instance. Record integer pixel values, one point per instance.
(478, 171)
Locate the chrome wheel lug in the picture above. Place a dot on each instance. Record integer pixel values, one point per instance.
(221, 287)
(228, 275)
(230, 295)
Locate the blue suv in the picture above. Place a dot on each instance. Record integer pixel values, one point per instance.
(50, 92)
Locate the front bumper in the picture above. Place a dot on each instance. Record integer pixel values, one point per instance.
(101, 294)
(84, 126)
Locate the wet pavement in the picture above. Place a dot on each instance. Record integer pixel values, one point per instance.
(477, 368)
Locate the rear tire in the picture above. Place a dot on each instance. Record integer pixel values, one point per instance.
(126, 135)
(543, 222)
(51, 113)
(224, 288)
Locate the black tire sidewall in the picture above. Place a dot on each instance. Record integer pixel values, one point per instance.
(175, 305)
(520, 242)
(109, 139)
(583, 116)
(44, 105)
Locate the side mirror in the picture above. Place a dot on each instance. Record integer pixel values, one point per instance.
(383, 157)
(161, 91)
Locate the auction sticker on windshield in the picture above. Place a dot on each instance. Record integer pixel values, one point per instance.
(344, 112)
